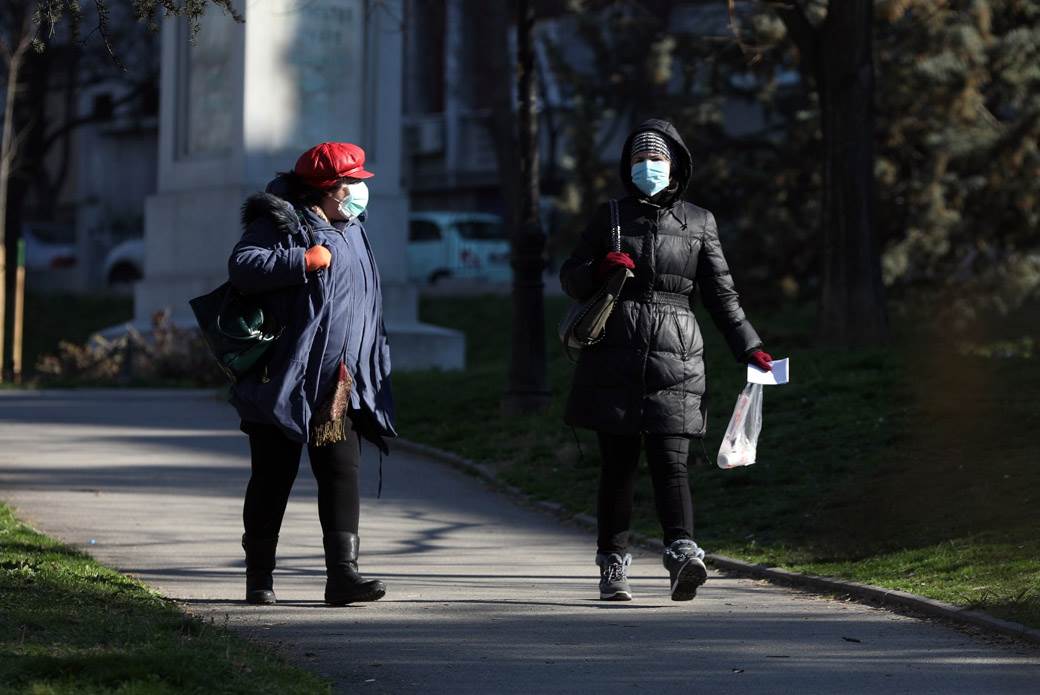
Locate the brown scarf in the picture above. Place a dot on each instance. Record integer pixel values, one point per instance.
(329, 424)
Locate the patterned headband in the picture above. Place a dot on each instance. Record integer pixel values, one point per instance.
(649, 141)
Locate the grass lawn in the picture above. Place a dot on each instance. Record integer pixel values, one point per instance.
(69, 625)
(912, 467)
(52, 318)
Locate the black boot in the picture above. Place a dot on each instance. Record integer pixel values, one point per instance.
(344, 585)
(259, 566)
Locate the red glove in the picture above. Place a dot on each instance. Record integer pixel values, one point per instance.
(615, 259)
(761, 360)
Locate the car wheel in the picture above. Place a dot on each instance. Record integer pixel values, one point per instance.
(438, 275)
(123, 274)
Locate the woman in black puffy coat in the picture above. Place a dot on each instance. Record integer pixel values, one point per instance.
(643, 386)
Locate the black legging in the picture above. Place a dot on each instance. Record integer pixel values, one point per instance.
(275, 462)
(666, 456)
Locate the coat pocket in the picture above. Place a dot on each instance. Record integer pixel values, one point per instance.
(681, 329)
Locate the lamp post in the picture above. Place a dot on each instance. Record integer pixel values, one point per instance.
(528, 390)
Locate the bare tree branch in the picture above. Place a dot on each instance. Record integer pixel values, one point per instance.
(15, 145)
(802, 32)
(78, 121)
(102, 27)
(25, 41)
(8, 142)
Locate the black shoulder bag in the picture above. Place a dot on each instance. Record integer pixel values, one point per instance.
(585, 323)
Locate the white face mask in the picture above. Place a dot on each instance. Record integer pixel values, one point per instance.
(356, 201)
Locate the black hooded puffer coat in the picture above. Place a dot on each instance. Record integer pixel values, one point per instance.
(647, 376)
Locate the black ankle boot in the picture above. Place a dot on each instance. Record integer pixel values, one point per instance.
(259, 566)
(344, 585)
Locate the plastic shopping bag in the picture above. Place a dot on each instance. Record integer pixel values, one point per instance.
(741, 440)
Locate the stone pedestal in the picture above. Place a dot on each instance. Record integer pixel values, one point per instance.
(242, 104)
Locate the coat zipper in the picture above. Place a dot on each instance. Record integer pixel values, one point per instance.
(651, 312)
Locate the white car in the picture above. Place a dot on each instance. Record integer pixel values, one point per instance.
(49, 246)
(124, 263)
(470, 245)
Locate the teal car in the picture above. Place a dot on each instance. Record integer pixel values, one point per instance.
(466, 245)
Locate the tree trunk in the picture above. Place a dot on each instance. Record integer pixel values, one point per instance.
(528, 390)
(496, 83)
(852, 301)
(14, 56)
(26, 172)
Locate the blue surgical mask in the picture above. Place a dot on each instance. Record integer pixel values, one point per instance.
(355, 202)
(651, 177)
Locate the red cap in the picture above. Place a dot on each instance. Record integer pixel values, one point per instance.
(323, 165)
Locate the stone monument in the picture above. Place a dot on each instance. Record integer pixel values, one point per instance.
(241, 103)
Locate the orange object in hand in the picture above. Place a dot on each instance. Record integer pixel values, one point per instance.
(317, 257)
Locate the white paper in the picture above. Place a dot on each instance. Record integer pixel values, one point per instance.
(781, 374)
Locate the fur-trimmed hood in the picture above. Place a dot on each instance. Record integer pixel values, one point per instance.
(268, 205)
(274, 204)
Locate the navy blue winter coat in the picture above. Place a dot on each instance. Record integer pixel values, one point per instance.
(328, 315)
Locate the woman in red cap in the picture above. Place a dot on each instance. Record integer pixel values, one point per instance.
(326, 384)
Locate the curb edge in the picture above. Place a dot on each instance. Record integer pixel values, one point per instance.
(827, 585)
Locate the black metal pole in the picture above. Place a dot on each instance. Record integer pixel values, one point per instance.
(528, 390)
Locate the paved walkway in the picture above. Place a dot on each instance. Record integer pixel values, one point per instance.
(484, 596)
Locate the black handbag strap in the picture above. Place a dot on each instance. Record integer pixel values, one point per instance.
(615, 225)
